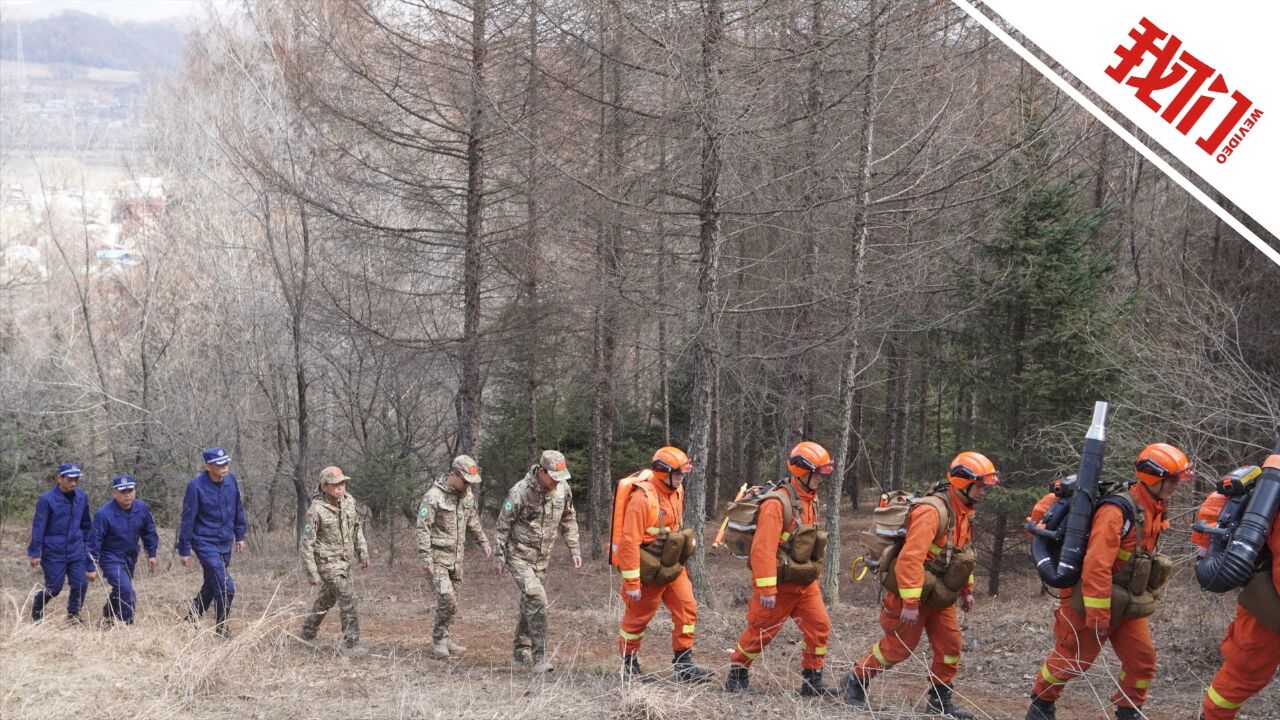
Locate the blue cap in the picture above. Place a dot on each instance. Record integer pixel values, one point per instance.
(216, 456)
(70, 470)
(122, 482)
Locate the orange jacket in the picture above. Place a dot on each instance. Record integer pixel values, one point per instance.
(1208, 512)
(640, 527)
(764, 544)
(1108, 551)
(1042, 506)
(926, 537)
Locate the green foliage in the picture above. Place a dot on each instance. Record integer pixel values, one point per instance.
(564, 424)
(388, 479)
(1029, 350)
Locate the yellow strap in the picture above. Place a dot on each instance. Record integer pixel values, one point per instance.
(749, 655)
(688, 629)
(1124, 554)
(951, 659)
(784, 536)
(1097, 602)
(875, 650)
(1220, 701)
(631, 574)
(630, 636)
(766, 582)
(910, 593)
(820, 650)
(970, 579)
(934, 549)
(1048, 676)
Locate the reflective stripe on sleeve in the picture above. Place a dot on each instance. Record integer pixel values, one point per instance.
(1123, 554)
(766, 582)
(631, 574)
(910, 593)
(1097, 602)
(784, 536)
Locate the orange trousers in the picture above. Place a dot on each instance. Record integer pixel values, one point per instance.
(1076, 647)
(1250, 656)
(804, 604)
(900, 641)
(678, 597)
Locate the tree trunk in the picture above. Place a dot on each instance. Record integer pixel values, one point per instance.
(706, 346)
(529, 290)
(849, 376)
(468, 403)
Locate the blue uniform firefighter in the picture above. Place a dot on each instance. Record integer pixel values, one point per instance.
(58, 531)
(212, 525)
(113, 546)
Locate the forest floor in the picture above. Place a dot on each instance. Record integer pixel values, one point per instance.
(163, 668)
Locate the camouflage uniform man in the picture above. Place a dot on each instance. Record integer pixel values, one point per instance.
(535, 507)
(446, 515)
(332, 536)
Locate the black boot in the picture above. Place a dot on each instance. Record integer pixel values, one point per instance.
(222, 630)
(812, 685)
(686, 671)
(738, 680)
(1128, 713)
(1041, 710)
(940, 703)
(855, 691)
(631, 667)
(37, 606)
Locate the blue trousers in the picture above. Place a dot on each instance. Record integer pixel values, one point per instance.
(122, 600)
(55, 572)
(217, 590)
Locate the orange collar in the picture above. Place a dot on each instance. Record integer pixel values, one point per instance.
(958, 504)
(801, 491)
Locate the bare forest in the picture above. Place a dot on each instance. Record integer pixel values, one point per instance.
(400, 230)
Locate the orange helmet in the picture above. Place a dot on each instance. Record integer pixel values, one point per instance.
(668, 459)
(970, 467)
(808, 457)
(1159, 461)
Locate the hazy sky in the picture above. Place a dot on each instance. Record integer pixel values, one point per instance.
(120, 9)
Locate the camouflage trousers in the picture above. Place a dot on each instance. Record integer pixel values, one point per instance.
(335, 588)
(531, 628)
(445, 581)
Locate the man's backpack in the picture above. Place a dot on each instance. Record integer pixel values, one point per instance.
(742, 516)
(946, 574)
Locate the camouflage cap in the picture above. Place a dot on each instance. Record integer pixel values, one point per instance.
(332, 475)
(553, 462)
(467, 468)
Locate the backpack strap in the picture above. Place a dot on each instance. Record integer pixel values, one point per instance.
(785, 496)
(945, 518)
(1133, 515)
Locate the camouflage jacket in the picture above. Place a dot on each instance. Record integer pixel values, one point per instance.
(332, 535)
(529, 519)
(444, 518)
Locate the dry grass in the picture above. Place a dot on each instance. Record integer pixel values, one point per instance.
(162, 668)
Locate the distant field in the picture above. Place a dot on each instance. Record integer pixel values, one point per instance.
(10, 70)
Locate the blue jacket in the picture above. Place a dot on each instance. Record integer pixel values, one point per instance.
(59, 527)
(116, 531)
(212, 515)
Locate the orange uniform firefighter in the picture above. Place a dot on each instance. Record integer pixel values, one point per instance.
(935, 547)
(1125, 531)
(1251, 649)
(653, 507)
(782, 592)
